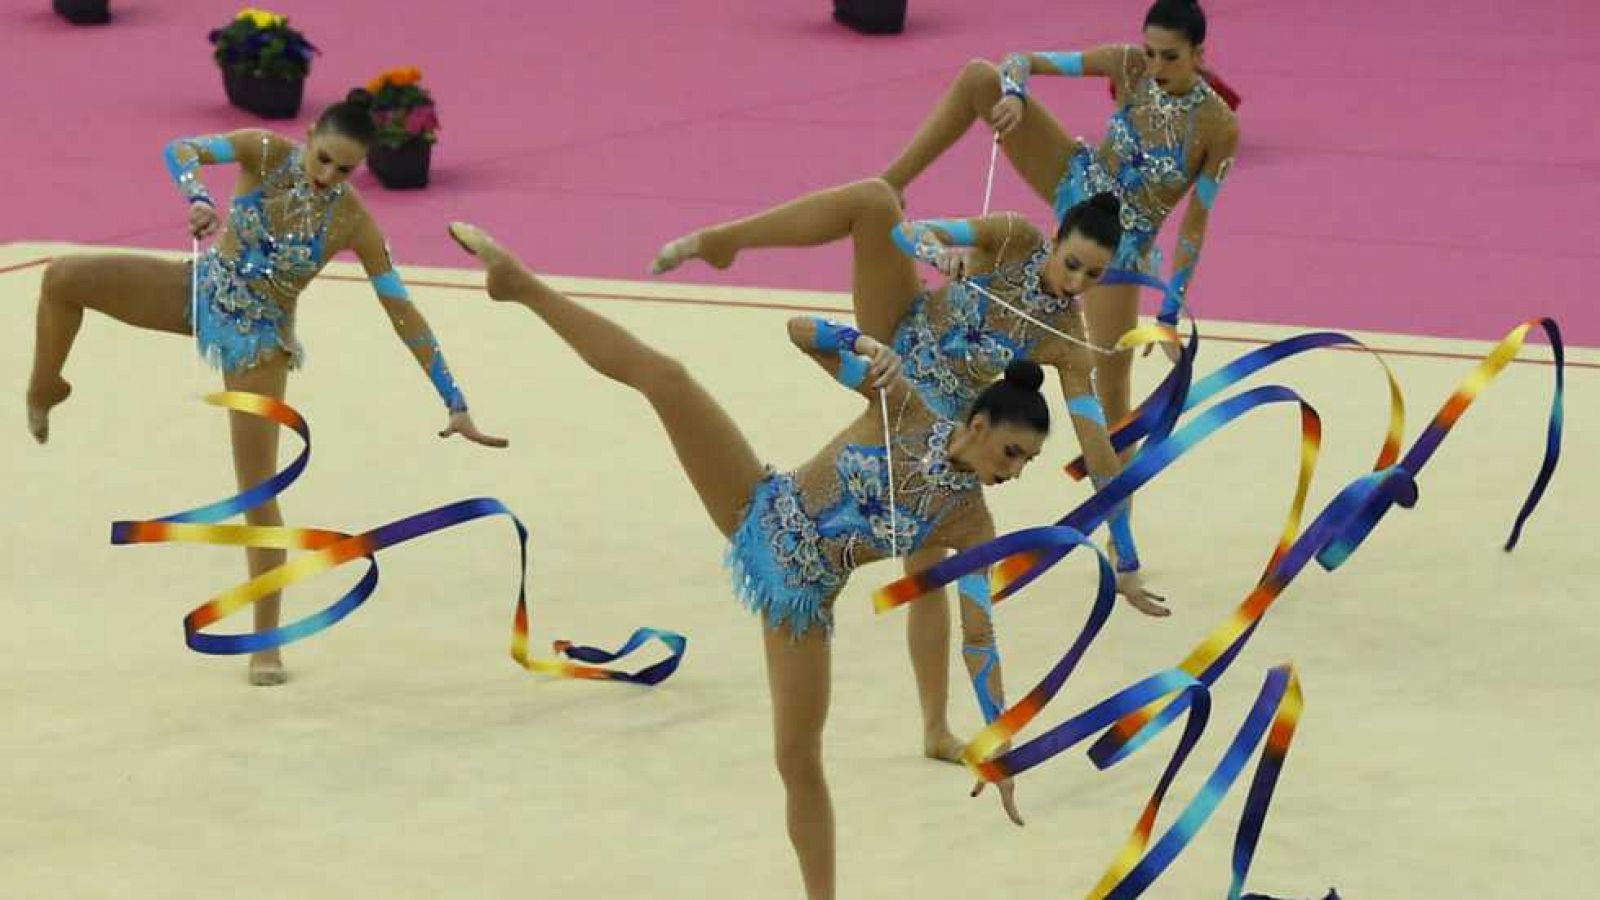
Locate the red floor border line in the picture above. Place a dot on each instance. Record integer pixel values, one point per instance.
(801, 307)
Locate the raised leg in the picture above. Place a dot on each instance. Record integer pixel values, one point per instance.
(883, 279)
(712, 450)
(1038, 148)
(147, 293)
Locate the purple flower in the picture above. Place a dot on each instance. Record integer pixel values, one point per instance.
(422, 119)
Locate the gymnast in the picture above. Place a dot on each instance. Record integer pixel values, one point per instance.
(1012, 295)
(1171, 131)
(794, 537)
(293, 210)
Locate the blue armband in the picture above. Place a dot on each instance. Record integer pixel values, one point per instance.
(853, 369)
(1205, 190)
(833, 337)
(1178, 288)
(961, 232)
(1087, 406)
(445, 383)
(186, 172)
(975, 586)
(1120, 524)
(389, 285)
(1066, 62)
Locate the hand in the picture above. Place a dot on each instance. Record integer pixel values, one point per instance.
(203, 220)
(1006, 115)
(954, 262)
(1131, 586)
(1008, 798)
(461, 423)
(885, 362)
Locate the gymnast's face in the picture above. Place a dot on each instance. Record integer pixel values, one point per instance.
(999, 453)
(1075, 265)
(331, 157)
(1171, 60)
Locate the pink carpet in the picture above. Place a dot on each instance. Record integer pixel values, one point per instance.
(1418, 167)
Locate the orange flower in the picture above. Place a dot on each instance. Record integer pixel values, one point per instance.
(399, 77)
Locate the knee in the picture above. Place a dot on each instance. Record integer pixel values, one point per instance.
(660, 375)
(877, 199)
(800, 762)
(979, 74)
(61, 279)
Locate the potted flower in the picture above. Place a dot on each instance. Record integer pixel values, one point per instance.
(83, 12)
(408, 125)
(264, 63)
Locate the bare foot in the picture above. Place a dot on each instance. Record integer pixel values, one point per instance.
(40, 401)
(943, 746)
(266, 669)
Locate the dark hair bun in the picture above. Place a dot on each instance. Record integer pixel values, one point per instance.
(1025, 374)
(360, 98)
(1107, 203)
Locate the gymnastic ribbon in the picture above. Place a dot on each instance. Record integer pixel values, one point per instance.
(1134, 716)
(329, 549)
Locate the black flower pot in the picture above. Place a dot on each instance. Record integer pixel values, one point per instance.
(402, 167)
(872, 16)
(269, 98)
(83, 12)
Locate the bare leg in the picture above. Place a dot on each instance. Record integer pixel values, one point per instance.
(255, 458)
(1038, 148)
(884, 280)
(798, 675)
(143, 292)
(1112, 311)
(928, 639)
(710, 447)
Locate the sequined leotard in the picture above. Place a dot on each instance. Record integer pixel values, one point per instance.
(955, 341)
(276, 242)
(804, 531)
(1145, 159)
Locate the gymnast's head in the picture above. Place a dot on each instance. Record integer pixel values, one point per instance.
(1085, 243)
(339, 140)
(1006, 425)
(1174, 40)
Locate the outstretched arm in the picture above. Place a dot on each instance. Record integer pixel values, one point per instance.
(412, 328)
(978, 648)
(1073, 365)
(1191, 235)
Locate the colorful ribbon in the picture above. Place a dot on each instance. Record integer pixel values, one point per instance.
(1137, 714)
(329, 549)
